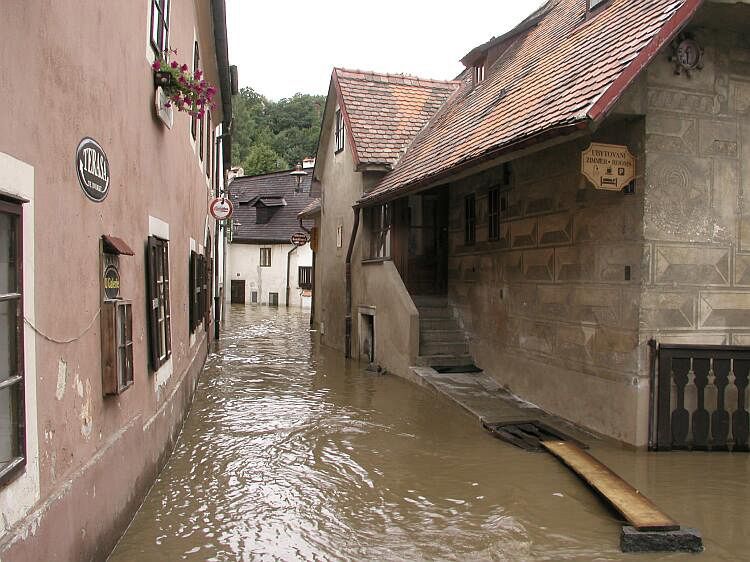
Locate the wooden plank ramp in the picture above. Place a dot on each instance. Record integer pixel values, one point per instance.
(637, 509)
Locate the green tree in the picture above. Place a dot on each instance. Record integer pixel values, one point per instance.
(268, 136)
(262, 159)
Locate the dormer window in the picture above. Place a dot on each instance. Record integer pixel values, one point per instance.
(478, 72)
(339, 134)
(594, 4)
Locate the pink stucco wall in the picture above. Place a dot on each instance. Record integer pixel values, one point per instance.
(71, 69)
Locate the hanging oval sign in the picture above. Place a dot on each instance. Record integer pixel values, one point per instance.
(221, 208)
(299, 239)
(92, 168)
(111, 282)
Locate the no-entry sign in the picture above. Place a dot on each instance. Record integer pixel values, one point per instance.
(221, 208)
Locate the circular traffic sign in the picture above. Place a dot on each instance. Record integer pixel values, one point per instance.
(221, 208)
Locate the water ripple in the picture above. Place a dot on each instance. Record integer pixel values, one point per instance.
(290, 453)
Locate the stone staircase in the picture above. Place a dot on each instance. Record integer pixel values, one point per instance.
(442, 342)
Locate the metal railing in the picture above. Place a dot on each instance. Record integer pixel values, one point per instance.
(702, 398)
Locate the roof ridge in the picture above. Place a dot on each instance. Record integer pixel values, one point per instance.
(388, 75)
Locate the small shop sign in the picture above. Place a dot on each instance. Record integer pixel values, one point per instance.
(610, 167)
(92, 168)
(221, 208)
(111, 281)
(299, 239)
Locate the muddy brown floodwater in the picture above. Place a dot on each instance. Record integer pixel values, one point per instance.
(290, 453)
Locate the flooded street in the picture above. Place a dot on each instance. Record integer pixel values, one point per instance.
(288, 453)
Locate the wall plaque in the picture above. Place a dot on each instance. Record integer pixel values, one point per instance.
(608, 166)
(92, 168)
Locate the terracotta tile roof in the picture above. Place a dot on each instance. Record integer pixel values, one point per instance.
(561, 73)
(312, 209)
(270, 198)
(384, 112)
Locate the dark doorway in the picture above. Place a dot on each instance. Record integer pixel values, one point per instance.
(425, 267)
(238, 291)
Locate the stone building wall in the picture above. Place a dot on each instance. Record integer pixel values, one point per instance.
(552, 306)
(696, 215)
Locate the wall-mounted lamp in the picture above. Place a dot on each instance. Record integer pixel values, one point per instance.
(298, 174)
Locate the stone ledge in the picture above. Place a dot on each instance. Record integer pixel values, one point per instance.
(682, 540)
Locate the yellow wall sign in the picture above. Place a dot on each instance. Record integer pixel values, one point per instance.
(608, 166)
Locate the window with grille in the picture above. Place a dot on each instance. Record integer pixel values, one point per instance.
(193, 119)
(470, 219)
(273, 299)
(209, 144)
(339, 133)
(265, 257)
(493, 213)
(117, 346)
(379, 219)
(254, 297)
(160, 25)
(478, 73)
(159, 318)
(305, 277)
(12, 423)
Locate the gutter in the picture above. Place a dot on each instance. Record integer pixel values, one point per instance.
(288, 262)
(219, 13)
(497, 152)
(348, 318)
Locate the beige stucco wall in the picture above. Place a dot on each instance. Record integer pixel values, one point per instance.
(243, 263)
(74, 69)
(376, 287)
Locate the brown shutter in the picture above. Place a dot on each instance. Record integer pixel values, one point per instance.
(152, 305)
(168, 320)
(191, 299)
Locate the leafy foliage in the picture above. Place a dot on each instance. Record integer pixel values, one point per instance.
(268, 136)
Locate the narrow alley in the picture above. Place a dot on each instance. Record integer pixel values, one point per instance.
(291, 453)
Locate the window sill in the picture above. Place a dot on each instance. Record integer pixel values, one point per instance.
(14, 469)
(371, 261)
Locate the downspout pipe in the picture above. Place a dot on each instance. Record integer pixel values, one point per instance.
(312, 287)
(288, 262)
(348, 319)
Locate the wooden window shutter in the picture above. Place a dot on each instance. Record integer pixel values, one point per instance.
(168, 319)
(192, 289)
(152, 254)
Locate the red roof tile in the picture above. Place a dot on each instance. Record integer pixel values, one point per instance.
(312, 209)
(385, 111)
(560, 73)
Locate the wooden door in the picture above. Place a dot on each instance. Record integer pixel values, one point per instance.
(238, 291)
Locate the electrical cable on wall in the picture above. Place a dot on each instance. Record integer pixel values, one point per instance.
(62, 342)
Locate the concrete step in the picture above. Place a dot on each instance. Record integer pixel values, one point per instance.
(437, 324)
(444, 348)
(435, 311)
(429, 300)
(452, 334)
(444, 360)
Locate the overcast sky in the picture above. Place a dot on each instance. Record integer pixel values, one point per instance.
(287, 46)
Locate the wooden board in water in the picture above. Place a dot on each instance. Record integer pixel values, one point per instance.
(639, 511)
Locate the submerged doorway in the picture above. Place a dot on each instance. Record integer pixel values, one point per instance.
(421, 242)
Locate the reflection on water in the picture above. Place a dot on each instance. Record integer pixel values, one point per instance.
(289, 453)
